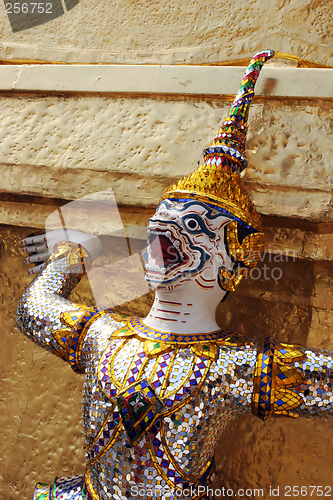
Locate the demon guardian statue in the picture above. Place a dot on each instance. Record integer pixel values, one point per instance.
(159, 391)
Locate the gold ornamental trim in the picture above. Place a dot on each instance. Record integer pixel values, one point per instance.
(223, 203)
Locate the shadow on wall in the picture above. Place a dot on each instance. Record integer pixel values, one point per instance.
(24, 15)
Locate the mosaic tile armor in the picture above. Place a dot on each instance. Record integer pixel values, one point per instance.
(156, 403)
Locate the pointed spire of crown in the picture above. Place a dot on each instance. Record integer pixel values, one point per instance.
(230, 139)
(217, 182)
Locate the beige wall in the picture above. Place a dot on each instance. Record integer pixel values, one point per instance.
(58, 147)
(68, 146)
(176, 32)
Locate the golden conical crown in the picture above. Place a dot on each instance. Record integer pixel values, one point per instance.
(220, 187)
(217, 182)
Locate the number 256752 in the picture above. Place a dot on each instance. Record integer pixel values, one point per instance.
(29, 8)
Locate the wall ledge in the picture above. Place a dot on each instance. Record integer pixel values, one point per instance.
(154, 79)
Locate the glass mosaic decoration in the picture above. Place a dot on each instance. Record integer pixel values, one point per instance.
(159, 391)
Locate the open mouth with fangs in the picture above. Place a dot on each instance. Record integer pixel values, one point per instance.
(164, 251)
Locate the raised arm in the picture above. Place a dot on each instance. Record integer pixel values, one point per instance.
(316, 389)
(44, 313)
(292, 381)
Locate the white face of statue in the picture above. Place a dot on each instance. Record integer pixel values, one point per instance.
(185, 242)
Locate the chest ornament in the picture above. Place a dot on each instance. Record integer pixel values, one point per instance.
(139, 406)
(158, 373)
(157, 342)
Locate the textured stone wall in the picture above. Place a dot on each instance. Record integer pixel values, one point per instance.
(40, 396)
(175, 32)
(56, 148)
(65, 147)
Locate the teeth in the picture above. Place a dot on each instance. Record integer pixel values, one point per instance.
(168, 234)
(153, 268)
(162, 270)
(176, 245)
(152, 231)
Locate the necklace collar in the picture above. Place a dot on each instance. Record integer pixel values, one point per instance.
(138, 327)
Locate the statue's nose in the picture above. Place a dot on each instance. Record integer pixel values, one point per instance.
(163, 213)
(160, 217)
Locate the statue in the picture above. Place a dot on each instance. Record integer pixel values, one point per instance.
(159, 391)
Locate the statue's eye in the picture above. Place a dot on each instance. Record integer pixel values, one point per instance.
(196, 225)
(191, 224)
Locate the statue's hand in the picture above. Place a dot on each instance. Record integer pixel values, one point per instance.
(40, 247)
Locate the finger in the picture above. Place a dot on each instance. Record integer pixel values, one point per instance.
(34, 240)
(37, 269)
(37, 258)
(35, 248)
